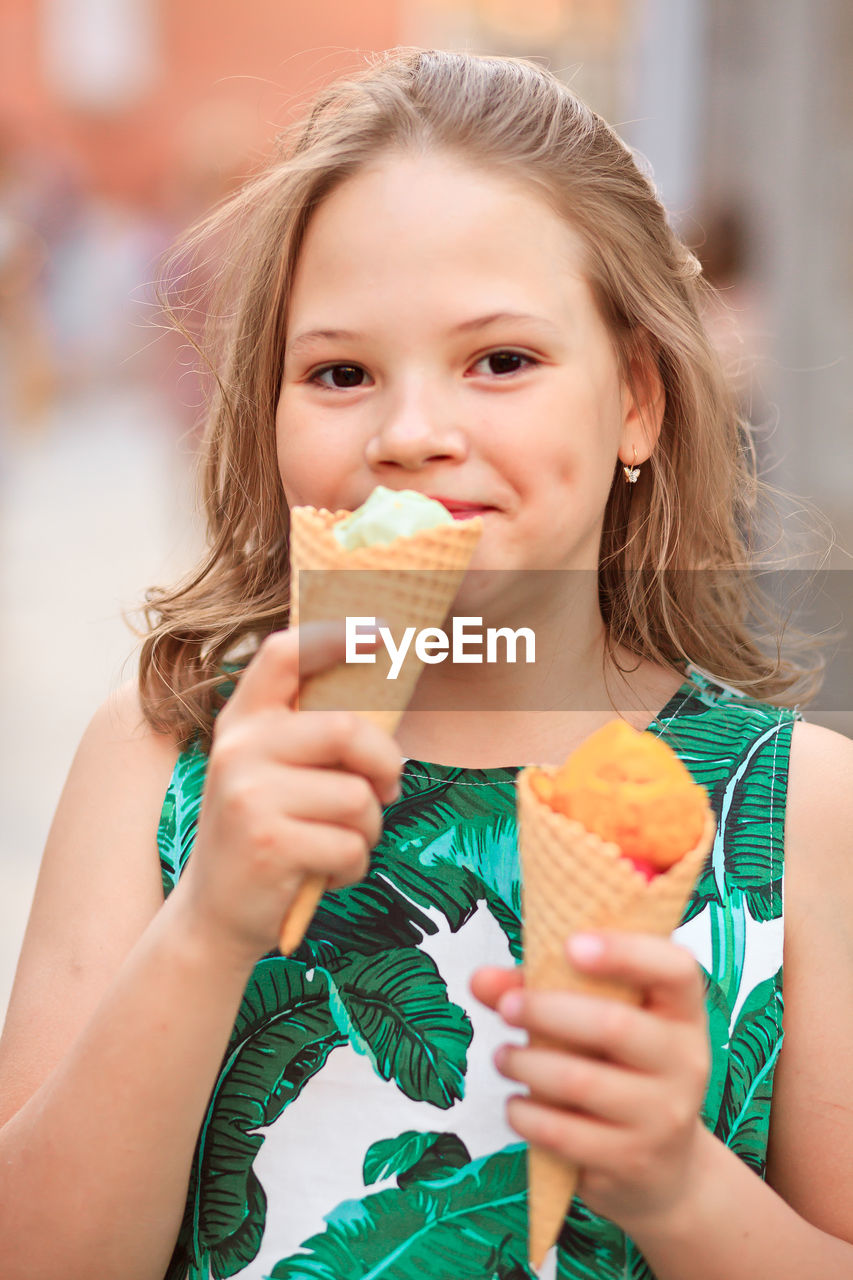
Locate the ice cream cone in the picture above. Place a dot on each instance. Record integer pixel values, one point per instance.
(572, 880)
(410, 582)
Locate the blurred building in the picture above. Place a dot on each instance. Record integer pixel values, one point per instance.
(121, 121)
(778, 153)
(122, 89)
(745, 113)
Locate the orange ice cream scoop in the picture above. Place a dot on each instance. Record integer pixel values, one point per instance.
(629, 788)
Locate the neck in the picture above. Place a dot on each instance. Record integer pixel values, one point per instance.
(555, 662)
(485, 715)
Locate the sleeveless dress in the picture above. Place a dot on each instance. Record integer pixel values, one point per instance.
(356, 1130)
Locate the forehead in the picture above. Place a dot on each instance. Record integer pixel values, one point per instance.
(430, 223)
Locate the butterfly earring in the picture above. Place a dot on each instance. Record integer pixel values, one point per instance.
(632, 473)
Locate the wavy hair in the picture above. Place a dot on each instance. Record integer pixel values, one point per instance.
(678, 548)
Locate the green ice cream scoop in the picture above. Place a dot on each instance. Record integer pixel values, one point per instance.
(388, 514)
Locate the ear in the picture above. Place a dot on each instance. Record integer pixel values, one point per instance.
(643, 404)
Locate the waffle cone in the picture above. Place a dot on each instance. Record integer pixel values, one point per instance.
(410, 582)
(572, 880)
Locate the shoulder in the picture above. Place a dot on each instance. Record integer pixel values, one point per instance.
(106, 819)
(810, 1157)
(120, 718)
(712, 702)
(120, 757)
(99, 886)
(820, 804)
(725, 736)
(818, 857)
(821, 755)
(818, 843)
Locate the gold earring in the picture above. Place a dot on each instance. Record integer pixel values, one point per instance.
(632, 473)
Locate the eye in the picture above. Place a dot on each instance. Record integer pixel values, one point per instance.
(344, 376)
(503, 364)
(506, 363)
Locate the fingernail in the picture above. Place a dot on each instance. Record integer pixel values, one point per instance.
(585, 947)
(499, 1057)
(509, 1006)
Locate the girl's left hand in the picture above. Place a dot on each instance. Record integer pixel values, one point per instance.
(620, 1092)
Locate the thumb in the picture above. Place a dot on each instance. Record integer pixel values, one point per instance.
(489, 984)
(285, 660)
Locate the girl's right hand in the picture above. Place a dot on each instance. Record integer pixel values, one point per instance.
(288, 793)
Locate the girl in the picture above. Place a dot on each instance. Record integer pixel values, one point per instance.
(455, 281)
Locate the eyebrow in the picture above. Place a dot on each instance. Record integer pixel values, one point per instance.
(311, 336)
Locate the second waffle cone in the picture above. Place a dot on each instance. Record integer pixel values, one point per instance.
(571, 881)
(409, 582)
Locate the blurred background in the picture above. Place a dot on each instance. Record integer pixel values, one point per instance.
(122, 120)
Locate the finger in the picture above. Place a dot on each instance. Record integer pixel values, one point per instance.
(578, 1082)
(489, 984)
(339, 854)
(340, 799)
(608, 1028)
(666, 973)
(339, 740)
(579, 1139)
(283, 661)
(344, 740)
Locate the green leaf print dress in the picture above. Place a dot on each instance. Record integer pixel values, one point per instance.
(356, 1130)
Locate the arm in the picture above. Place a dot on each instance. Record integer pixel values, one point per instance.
(123, 1005)
(99, 1116)
(810, 1153)
(691, 1205)
(803, 1226)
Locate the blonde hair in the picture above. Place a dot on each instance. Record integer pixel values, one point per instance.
(695, 506)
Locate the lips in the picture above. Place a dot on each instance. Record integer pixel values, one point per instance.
(460, 510)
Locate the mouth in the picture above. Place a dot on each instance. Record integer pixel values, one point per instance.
(461, 510)
(470, 512)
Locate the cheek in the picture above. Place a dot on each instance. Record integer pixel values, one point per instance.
(312, 465)
(561, 459)
(294, 433)
(283, 448)
(581, 433)
(569, 478)
(281, 433)
(293, 464)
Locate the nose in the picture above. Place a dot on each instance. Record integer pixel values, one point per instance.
(415, 431)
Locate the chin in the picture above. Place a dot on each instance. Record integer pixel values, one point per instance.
(484, 590)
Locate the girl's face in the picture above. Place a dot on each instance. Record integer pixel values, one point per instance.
(441, 337)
